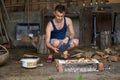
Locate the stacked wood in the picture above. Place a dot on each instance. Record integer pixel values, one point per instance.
(116, 48)
(114, 58)
(101, 54)
(105, 55)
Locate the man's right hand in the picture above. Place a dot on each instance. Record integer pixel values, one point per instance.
(55, 50)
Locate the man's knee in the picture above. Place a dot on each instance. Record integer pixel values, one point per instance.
(55, 43)
(74, 43)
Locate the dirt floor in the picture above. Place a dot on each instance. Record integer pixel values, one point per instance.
(13, 70)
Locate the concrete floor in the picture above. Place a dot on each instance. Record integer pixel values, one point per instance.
(13, 70)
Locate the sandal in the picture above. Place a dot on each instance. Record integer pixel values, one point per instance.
(67, 58)
(50, 59)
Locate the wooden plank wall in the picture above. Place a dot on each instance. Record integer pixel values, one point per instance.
(85, 26)
(19, 5)
(35, 5)
(85, 18)
(104, 21)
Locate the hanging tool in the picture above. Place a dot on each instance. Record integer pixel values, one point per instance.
(3, 26)
(3, 4)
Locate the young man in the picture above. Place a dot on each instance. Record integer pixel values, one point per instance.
(56, 39)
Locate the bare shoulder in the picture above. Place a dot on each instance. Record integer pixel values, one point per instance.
(49, 26)
(68, 21)
(49, 23)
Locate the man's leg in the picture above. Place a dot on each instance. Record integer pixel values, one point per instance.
(73, 44)
(50, 56)
(54, 43)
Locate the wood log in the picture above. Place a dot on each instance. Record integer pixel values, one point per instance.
(113, 58)
(105, 39)
(100, 53)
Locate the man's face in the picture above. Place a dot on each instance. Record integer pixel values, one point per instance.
(59, 16)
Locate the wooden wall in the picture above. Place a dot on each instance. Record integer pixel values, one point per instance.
(85, 27)
(20, 5)
(114, 1)
(104, 21)
(39, 12)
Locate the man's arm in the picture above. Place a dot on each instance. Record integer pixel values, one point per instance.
(71, 31)
(70, 27)
(47, 37)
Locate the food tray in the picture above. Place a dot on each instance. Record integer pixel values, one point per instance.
(64, 66)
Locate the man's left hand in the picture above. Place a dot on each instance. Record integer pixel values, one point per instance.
(65, 40)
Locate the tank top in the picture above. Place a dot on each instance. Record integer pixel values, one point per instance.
(58, 34)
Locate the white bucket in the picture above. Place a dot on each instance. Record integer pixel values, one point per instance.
(29, 62)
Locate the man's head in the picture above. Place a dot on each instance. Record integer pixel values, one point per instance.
(60, 8)
(59, 12)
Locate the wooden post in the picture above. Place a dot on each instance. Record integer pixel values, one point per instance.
(3, 26)
(3, 4)
(105, 39)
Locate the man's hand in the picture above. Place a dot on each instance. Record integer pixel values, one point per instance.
(65, 40)
(55, 50)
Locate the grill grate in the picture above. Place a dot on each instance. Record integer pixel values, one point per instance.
(64, 66)
(80, 67)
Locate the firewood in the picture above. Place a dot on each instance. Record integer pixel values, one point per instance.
(118, 57)
(117, 48)
(100, 53)
(78, 55)
(108, 50)
(28, 55)
(106, 56)
(25, 39)
(89, 54)
(78, 50)
(113, 58)
(97, 57)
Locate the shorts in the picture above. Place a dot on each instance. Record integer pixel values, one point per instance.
(62, 46)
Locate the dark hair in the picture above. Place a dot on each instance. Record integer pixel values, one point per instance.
(60, 8)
